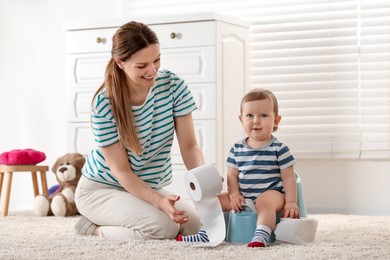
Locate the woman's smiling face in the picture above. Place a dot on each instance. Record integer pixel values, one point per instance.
(141, 68)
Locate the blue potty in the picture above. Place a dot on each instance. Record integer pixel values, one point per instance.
(300, 197)
(240, 226)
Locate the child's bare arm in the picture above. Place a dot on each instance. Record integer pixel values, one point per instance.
(235, 195)
(290, 187)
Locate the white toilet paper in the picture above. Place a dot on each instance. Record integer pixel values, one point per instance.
(203, 184)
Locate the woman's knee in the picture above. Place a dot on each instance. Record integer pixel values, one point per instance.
(192, 226)
(166, 229)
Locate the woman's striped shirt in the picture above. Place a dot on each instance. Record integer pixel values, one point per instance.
(259, 168)
(168, 98)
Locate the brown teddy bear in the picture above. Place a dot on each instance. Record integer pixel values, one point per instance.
(61, 203)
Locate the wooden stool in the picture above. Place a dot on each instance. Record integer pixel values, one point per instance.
(8, 170)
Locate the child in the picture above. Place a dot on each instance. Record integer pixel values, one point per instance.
(260, 168)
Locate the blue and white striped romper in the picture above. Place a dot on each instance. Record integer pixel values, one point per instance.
(259, 168)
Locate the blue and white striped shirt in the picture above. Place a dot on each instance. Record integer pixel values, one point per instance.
(168, 98)
(259, 168)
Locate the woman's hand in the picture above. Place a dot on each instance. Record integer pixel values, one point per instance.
(291, 210)
(167, 204)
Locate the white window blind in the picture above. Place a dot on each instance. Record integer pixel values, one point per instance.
(328, 62)
(374, 78)
(308, 56)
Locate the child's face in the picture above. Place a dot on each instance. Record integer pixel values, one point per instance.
(258, 119)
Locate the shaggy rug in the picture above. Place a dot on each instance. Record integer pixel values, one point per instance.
(25, 236)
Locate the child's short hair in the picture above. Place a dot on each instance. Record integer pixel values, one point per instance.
(261, 94)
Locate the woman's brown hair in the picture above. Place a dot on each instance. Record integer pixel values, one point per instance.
(128, 39)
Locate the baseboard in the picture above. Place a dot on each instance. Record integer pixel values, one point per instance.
(350, 211)
(20, 206)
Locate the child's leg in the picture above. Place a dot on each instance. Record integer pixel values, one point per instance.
(224, 200)
(267, 205)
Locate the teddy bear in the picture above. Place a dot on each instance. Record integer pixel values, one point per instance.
(61, 203)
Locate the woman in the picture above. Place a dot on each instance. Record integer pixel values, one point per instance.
(134, 115)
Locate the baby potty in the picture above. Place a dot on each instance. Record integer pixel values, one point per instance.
(240, 226)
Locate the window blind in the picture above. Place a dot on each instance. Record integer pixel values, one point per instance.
(328, 63)
(374, 78)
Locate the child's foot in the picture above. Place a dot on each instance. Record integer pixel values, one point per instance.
(261, 237)
(256, 244)
(201, 237)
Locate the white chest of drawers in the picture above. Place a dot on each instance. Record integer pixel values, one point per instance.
(209, 52)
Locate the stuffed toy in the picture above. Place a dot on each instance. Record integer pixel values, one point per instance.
(61, 203)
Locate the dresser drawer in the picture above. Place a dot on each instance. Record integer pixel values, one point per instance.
(205, 131)
(205, 98)
(85, 41)
(80, 138)
(178, 35)
(193, 64)
(79, 102)
(86, 69)
(199, 65)
(175, 35)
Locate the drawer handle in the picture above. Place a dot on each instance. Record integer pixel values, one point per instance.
(101, 40)
(175, 35)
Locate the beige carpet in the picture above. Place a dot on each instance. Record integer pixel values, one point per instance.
(24, 236)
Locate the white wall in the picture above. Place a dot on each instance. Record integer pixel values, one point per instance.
(33, 112)
(32, 74)
(348, 187)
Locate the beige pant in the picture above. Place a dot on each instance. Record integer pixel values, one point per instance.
(124, 216)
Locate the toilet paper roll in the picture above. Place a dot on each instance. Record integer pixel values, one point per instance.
(203, 184)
